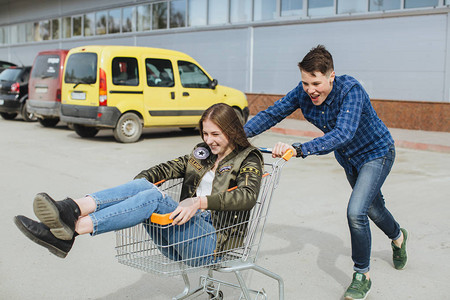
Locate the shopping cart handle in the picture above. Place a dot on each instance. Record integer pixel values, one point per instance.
(265, 150)
(286, 156)
(161, 219)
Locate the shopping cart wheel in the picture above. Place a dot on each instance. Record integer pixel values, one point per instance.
(218, 297)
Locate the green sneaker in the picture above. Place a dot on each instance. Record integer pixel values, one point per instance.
(400, 257)
(359, 288)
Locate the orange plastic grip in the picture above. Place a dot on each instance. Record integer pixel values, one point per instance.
(161, 219)
(288, 155)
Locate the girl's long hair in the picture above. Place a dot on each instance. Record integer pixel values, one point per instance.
(227, 120)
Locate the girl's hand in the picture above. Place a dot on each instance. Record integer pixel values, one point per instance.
(280, 149)
(185, 210)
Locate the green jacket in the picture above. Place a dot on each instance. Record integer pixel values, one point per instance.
(242, 169)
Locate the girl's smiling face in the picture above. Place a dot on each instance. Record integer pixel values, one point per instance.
(216, 139)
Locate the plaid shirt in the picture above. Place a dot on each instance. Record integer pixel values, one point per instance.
(351, 126)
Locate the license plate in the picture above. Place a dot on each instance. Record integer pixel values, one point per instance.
(41, 90)
(2, 101)
(78, 95)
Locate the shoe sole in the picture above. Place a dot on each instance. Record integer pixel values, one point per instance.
(351, 298)
(47, 212)
(52, 249)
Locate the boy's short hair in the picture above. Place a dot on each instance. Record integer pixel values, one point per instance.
(318, 59)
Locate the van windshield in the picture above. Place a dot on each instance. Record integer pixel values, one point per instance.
(81, 68)
(46, 66)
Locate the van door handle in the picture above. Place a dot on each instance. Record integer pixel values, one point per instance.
(172, 95)
(185, 94)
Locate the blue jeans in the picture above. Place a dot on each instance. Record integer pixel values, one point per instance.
(134, 202)
(366, 201)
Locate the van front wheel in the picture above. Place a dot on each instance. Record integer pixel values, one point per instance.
(128, 128)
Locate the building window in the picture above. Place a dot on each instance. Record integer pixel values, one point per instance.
(14, 34)
(43, 31)
(159, 14)
(77, 24)
(381, 5)
(101, 18)
(143, 17)
(128, 19)
(420, 3)
(114, 21)
(240, 11)
(264, 10)
(55, 29)
(217, 12)
(197, 12)
(29, 36)
(35, 33)
(291, 8)
(320, 8)
(89, 24)
(177, 13)
(66, 27)
(351, 6)
(4, 35)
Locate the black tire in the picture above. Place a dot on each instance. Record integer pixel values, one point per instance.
(240, 115)
(48, 122)
(8, 116)
(85, 131)
(26, 115)
(128, 129)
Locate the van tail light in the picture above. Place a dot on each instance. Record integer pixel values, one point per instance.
(102, 94)
(15, 88)
(58, 95)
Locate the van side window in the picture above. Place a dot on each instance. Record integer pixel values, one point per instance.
(159, 72)
(191, 76)
(125, 71)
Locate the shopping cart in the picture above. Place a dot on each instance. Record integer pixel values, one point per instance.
(143, 246)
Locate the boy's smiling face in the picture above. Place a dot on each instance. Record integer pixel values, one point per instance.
(317, 85)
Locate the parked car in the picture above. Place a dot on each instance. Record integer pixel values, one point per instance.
(14, 93)
(44, 95)
(128, 88)
(6, 65)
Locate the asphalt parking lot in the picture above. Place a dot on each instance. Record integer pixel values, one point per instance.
(306, 239)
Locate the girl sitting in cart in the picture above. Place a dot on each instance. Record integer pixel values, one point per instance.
(224, 160)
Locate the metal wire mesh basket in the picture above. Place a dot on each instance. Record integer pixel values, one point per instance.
(141, 247)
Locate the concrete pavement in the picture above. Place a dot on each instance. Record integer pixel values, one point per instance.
(306, 239)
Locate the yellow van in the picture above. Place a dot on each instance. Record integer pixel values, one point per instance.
(127, 88)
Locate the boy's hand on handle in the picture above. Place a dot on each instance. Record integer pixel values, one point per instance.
(185, 210)
(280, 149)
